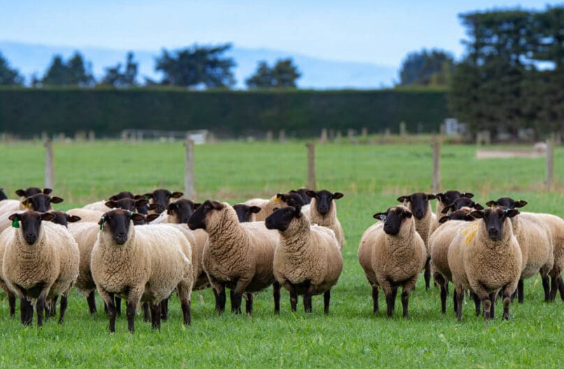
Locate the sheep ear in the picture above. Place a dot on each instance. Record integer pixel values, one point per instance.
(197, 205)
(403, 199)
(440, 196)
(112, 204)
(408, 214)
(47, 191)
(337, 195)
(520, 203)
(469, 218)
(148, 195)
(298, 211)
(491, 203)
(135, 197)
(171, 207)
(254, 209)
(311, 193)
(510, 213)
(56, 200)
(467, 194)
(478, 206)
(275, 209)
(48, 217)
(447, 208)
(380, 216)
(444, 219)
(281, 196)
(177, 195)
(478, 214)
(151, 217)
(25, 203)
(20, 192)
(14, 216)
(141, 202)
(73, 218)
(217, 205)
(431, 196)
(152, 206)
(136, 217)
(112, 198)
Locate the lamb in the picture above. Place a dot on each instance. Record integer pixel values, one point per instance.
(308, 260)
(486, 258)
(140, 264)
(439, 243)
(246, 213)
(267, 206)
(38, 202)
(40, 262)
(237, 256)
(425, 221)
(535, 236)
(392, 255)
(323, 212)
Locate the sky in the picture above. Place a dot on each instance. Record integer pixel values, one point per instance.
(376, 31)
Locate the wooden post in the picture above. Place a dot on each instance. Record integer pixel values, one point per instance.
(91, 136)
(403, 129)
(550, 161)
(364, 132)
(49, 165)
(436, 164)
(323, 138)
(338, 137)
(189, 169)
(269, 137)
(350, 135)
(310, 165)
(282, 136)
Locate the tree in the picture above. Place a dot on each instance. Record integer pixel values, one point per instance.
(75, 72)
(426, 68)
(283, 74)
(196, 66)
(114, 77)
(9, 76)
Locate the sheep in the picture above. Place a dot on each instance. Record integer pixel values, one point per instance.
(439, 243)
(160, 198)
(237, 256)
(101, 205)
(267, 206)
(303, 193)
(542, 252)
(39, 202)
(448, 197)
(128, 204)
(392, 255)
(40, 262)
(140, 264)
(425, 221)
(463, 202)
(323, 212)
(308, 260)
(246, 213)
(11, 206)
(486, 258)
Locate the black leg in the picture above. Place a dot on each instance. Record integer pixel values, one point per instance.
(293, 298)
(118, 305)
(91, 300)
(390, 309)
(156, 315)
(146, 312)
(24, 313)
(455, 300)
(405, 302)
(64, 304)
(12, 303)
(477, 303)
(130, 312)
(249, 304)
(164, 309)
(459, 294)
(560, 287)
(53, 307)
(308, 305)
(40, 306)
(546, 287)
(520, 292)
(186, 314)
(493, 299)
(276, 295)
(427, 274)
(326, 300)
(112, 313)
(444, 293)
(394, 295)
(219, 300)
(375, 307)
(236, 299)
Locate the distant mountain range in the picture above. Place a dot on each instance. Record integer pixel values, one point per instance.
(317, 73)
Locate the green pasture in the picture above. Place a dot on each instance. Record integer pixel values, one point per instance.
(371, 177)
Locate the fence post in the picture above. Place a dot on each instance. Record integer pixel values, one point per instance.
(436, 164)
(550, 161)
(310, 165)
(269, 137)
(323, 138)
(49, 165)
(282, 136)
(189, 169)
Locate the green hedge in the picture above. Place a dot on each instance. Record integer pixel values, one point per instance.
(28, 112)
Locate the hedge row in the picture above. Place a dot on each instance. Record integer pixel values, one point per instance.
(28, 112)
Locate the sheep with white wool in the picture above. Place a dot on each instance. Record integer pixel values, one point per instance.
(267, 206)
(392, 254)
(308, 260)
(425, 221)
(237, 256)
(323, 212)
(39, 202)
(40, 262)
(145, 263)
(11, 206)
(485, 257)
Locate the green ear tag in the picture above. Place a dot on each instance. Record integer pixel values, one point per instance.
(130, 214)
(147, 198)
(16, 223)
(102, 225)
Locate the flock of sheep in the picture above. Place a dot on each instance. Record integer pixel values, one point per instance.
(144, 248)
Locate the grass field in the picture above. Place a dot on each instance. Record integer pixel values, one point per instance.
(371, 177)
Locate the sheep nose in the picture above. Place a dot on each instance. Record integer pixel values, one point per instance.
(30, 238)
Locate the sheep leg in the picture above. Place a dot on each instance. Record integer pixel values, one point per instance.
(375, 307)
(506, 302)
(156, 315)
(308, 306)
(64, 304)
(91, 300)
(326, 300)
(455, 300)
(493, 299)
(443, 284)
(130, 312)
(293, 296)
(477, 303)
(520, 291)
(164, 309)
(40, 307)
(25, 306)
(53, 307)
(390, 297)
(185, 295)
(237, 295)
(459, 294)
(219, 294)
(427, 274)
(560, 284)
(249, 304)
(546, 287)
(276, 295)
(553, 287)
(146, 317)
(12, 303)
(110, 307)
(118, 305)
(406, 290)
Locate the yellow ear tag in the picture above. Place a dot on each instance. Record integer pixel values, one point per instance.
(277, 199)
(26, 205)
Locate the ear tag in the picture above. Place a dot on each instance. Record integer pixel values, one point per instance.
(102, 225)
(130, 214)
(16, 223)
(506, 211)
(147, 198)
(26, 205)
(383, 218)
(277, 199)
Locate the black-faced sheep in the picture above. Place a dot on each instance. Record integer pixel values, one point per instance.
(323, 212)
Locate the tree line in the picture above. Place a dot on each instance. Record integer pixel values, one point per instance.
(195, 67)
